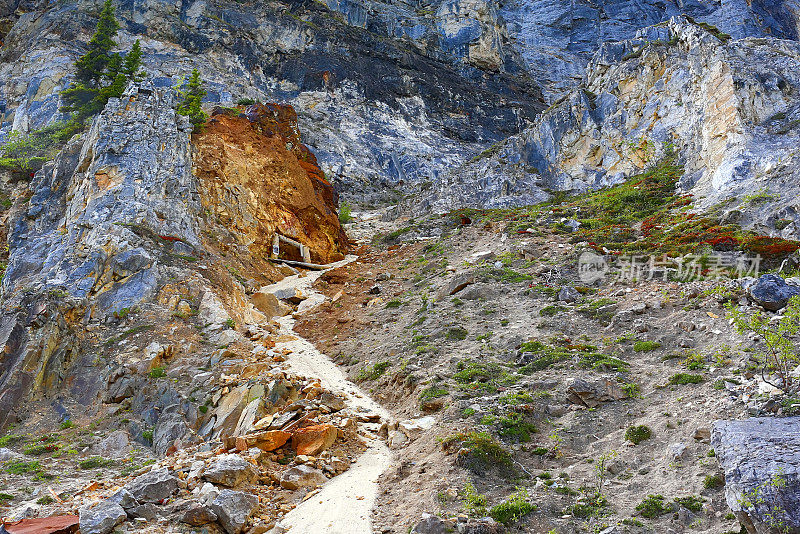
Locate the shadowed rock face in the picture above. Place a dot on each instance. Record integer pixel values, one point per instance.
(258, 178)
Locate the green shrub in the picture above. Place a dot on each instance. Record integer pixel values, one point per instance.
(245, 102)
(514, 425)
(592, 506)
(44, 501)
(713, 482)
(345, 213)
(637, 434)
(432, 392)
(781, 355)
(457, 334)
(8, 439)
(39, 449)
(681, 379)
(20, 467)
(28, 152)
(694, 361)
(653, 506)
(512, 509)
(157, 372)
(374, 372)
(552, 310)
(474, 502)
(147, 435)
(646, 346)
(691, 503)
(394, 303)
(5, 497)
(94, 462)
(482, 450)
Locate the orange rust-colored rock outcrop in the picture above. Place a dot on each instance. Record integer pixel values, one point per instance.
(257, 178)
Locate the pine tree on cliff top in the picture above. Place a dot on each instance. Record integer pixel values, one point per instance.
(101, 74)
(193, 94)
(91, 68)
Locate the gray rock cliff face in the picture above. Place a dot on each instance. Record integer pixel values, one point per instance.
(761, 461)
(388, 93)
(94, 207)
(729, 109)
(117, 201)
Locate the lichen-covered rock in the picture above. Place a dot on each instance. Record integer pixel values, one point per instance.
(761, 461)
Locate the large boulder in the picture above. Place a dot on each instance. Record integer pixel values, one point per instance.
(301, 476)
(761, 461)
(115, 445)
(231, 470)
(101, 518)
(772, 293)
(314, 439)
(234, 509)
(154, 486)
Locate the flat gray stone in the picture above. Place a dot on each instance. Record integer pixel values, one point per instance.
(101, 518)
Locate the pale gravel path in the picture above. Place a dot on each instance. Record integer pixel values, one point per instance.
(344, 504)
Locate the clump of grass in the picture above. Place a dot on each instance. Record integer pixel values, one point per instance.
(457, 334)
(637, 434)
(94, 462)
(433, 391)
(682, 379)
(694, 361)
(474, 502)
(374, 372)
(691, 503)
(646, 346)
(552, 310)
(9, 439)
(653, 506)
(482, 375)
(157, 372)
(39, 449)
(394, 303)
(515, 399)
(21, 467)
(479, 451)
(514, 425)
(512, 509)
(5, 497)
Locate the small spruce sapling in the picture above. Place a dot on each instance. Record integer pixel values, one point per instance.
(193, 93)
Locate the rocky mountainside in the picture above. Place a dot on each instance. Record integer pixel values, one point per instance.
(729, 108)
(466, 266)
